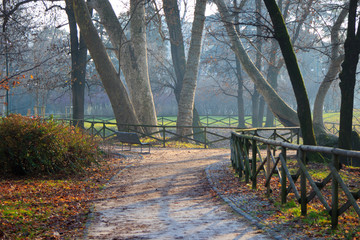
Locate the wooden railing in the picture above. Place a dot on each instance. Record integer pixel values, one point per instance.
(335, 127)
(211, 121)
(215, 121)
(203, 136)
(247, 161)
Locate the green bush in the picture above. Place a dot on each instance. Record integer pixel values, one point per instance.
(37, 146)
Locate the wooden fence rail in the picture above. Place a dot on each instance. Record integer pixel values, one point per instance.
(246, 159)
(204, 136)
(212, 121)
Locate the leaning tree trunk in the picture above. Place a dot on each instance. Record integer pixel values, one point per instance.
(281, 34)
(141, 93)
(187, 95)
(334, 68)
(286, 115)
(348, 77)
(120, 101)
(132, 56)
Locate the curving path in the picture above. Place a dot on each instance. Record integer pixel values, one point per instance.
(166, 195)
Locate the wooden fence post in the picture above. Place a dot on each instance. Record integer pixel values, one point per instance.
(335, 196)
(104, 130)
(283, 178)
(164, 139)
(232, 154)
(253, 164)
(205, 137)
(246, 159)
(268, 169)
(302, 156)
(239, 165)
(298, 136)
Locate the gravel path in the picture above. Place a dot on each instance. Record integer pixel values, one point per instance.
(166, 195)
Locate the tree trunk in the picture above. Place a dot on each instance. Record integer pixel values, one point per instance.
(261, 111)
(279, 108)
(132, 56)
(172, 17)
(141, 93)
(240, 99)
(187, 95)
(256, 98)
(281, 34)
(239, 77)
(348, 77)
(334, 68)
(255, 108)
(272, 76)
(78, 68)
(120, 101)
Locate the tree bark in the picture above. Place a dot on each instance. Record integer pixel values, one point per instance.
(141, 93)
(78, 68)
(348, 77)
(240, 99)
(257, 109)
(261, 111)
(286, 115)
(132, 55)
(172, 17)
(281, 34)
(333, 70)
(272, 76)
(120, 101)
(239, 77)
(187, 95)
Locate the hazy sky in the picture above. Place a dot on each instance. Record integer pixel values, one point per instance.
(124, 5)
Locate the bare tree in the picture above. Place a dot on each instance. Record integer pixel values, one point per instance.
(187, 94)
(122, 105)
(132, 55)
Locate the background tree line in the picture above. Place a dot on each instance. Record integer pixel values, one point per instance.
(178, 50)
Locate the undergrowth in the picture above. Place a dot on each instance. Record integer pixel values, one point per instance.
(33, 146)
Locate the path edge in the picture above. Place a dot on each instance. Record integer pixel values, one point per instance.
(248, 217)
(90, 216)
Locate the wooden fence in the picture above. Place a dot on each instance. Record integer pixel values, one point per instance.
(214, 121)
(247, 161)
(203, 136)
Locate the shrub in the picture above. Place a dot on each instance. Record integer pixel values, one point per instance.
(37, 146)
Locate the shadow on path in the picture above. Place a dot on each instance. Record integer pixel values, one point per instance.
(167, 196)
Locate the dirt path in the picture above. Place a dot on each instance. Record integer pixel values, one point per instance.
(166, 195)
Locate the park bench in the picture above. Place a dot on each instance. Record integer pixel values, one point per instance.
(130, 139)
